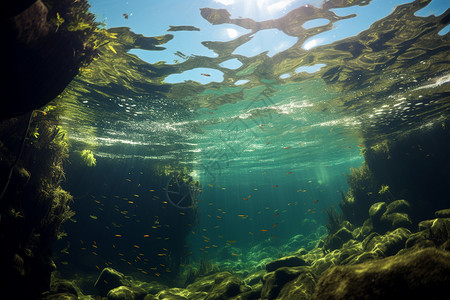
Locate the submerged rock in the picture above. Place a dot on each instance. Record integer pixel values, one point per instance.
(396, 220)
(388, 244)
(377, 210)
(423, 274)
(110, 279)
(288, 283)
(443, 213)
(288, 261)
(217, 286)
(398, 206)
(60, 296)
(63, 286)
(121, 293)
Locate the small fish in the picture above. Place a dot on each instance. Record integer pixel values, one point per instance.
(93, 217)
(287, 147)
(251, 233)
(267, 143)
(127, 179)
(315, 201)
(277, 214)
(136, 195)
(118, 235)
(275, 186)
(264, 230)
(309, 209)
(224, 189)
(231, 241)
(146, 235)
(151, 191)
(272, 236)
(204, 74)
(349, 146)
(313, 211)
(243, 216)
(289, 173)
(235, 254)
(360, 145)
(244, 199)
(274, 225)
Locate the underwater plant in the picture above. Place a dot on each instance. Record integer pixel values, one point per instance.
(87, 156)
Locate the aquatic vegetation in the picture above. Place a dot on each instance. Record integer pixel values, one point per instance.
(334, 220)
(87, 156)
(384, 189)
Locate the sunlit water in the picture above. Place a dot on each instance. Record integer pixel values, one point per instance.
(269, 135)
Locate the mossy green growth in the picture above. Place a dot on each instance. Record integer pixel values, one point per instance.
(87, 157)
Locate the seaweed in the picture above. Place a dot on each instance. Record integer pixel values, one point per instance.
(334, 220)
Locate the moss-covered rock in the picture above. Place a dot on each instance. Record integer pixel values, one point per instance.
(377, 210)
(443, 213)
(121, 293)
(276, 284)
(398, 206)
(60, 296)
(63, 286)
(110, 279)
(217, 286)
(421, 274)
(396, 220)
(388, 244)
(287, 261)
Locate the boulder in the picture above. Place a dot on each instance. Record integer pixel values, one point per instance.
(301, 288)
(63, 286)
(396, 220)
(254, 278)
(287, 261)
(419, 274)
(59, 296)
(388, 244)
(110, 279)
(217, 286)
(337, 239)
(443, 213)
(121, 293)
(274, 282)
(377, 210)
(177, 294)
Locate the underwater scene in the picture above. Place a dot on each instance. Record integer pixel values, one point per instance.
(225, 149)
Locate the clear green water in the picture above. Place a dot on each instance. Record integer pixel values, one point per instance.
(270, 154)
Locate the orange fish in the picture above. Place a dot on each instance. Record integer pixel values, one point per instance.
(289, 173)
(349, 146)
(360, 145)
(118, 235)
(315, 201)
(267, 143)
(146, 235)
(244, 199)
(287, 147)
(276, 214)
(204, 74)
(235, 254)
(309, 209)
(275, 185)
(313, 212)
(264, 230)
(274, 225)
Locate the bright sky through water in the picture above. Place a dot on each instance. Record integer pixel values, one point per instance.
(154, 18)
